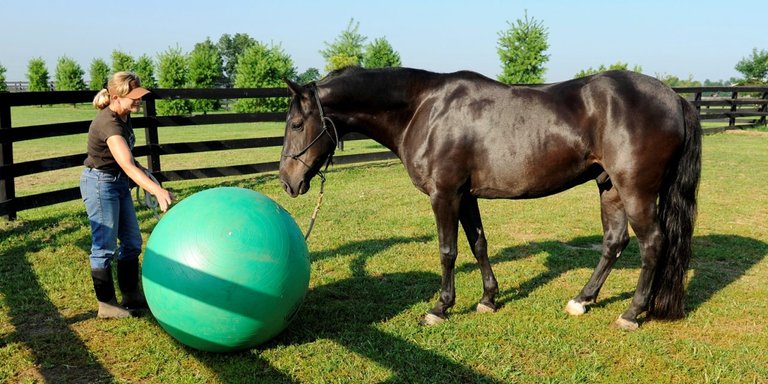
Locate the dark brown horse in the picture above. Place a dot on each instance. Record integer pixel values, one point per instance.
(462, 136)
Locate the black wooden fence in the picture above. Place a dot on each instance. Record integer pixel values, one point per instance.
(731, 107)
(10, 203)
(728, 107)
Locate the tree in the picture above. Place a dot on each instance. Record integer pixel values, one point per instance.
(99, 72)
(521, 50)
(205, 71)
(37, 75)
(121, 61)
(721, 83)
(602, 68)
(172, 71)
(230, 48)
(754, 68)
(311, 74)
(674, 81)
(346, 50)
(379, 54)
(262, 66)
(145, 70)
(3, 85)
(69, 75)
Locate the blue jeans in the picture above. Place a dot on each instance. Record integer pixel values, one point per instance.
(112, 216)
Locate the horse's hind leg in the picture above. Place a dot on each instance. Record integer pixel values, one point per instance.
(641, 211)
(469, 216)
(615, 239)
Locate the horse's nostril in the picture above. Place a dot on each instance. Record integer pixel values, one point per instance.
(287, 188)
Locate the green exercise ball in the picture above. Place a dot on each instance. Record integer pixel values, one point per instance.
(225, 269)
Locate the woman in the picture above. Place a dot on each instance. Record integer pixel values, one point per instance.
(105, 188)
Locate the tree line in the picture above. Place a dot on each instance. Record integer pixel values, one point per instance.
(522, 50)
(243, 62)
(237, 60)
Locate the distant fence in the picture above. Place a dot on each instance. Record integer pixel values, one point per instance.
(734, 107)
(18, 86)
(731, 107)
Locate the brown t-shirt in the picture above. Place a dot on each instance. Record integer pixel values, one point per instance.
(105, 125)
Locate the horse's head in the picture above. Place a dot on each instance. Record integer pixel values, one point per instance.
(310, 139)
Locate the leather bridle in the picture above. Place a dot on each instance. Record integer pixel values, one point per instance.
(297, 156)
(334, 138)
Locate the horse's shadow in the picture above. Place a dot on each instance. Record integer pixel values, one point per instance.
(347, 312)
(718, 261)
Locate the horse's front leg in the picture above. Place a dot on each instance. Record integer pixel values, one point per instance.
(446, 209)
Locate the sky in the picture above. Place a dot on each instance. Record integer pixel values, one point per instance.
(703, 39)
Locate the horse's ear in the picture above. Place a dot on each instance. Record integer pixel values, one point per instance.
(295, 88)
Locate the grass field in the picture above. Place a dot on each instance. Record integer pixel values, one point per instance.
(375, 272)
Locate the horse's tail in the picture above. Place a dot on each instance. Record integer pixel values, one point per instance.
(677, 213)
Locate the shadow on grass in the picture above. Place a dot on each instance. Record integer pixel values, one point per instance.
(718, 261)
(367, 248)
(58, 354)
(347, 312)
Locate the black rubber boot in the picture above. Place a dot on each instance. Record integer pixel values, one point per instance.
(104, 287)
(128, 280)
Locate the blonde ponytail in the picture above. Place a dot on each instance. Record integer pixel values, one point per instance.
(119, 84)
(101, 100)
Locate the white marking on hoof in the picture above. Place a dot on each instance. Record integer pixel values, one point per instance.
(482, 308)
(575, 308)
(431, 319)
(625, 324)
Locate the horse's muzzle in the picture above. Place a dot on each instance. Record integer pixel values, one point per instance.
(295, 190)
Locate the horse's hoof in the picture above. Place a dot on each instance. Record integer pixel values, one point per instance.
(431, 319)
(485, 308)
(575, 308)
(625, 325)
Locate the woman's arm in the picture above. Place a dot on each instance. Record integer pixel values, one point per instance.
(122, 154)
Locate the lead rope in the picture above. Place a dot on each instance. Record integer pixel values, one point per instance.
(319, 197)
(317, 206)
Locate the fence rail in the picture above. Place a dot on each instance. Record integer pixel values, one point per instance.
(153, 149)
(17, 86)
(738, 107)
(734, 107)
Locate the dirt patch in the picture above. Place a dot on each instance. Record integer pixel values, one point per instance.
(743, 132)
(586, 247)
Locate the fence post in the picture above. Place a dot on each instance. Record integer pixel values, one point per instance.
(732, 116)
(7, 183)
(697, 101)
(152, 138)
(763, 108)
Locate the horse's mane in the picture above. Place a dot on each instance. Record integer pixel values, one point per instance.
(348, 70)
(353, 70)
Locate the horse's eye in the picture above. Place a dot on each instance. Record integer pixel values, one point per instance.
(297, 125)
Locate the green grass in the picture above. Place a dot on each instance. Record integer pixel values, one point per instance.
(375, 271)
